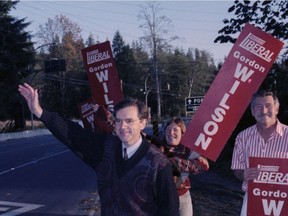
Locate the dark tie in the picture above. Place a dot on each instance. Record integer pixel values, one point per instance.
(125, 154)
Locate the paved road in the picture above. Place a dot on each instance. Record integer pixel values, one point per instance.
(41, 177)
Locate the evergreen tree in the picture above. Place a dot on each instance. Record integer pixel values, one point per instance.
(143, 71)
(126, 65)
(16, 54)
(174, 83)
(117, 44)
(90, 40)
(204, 71)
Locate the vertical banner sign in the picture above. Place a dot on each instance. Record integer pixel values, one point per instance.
(102, 75)
(94, 119)
(87, 113)
(268, 194)
(229, 95)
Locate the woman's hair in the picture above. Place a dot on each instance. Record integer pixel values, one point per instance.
(179, 122)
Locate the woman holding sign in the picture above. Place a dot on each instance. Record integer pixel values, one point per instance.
(184, 162)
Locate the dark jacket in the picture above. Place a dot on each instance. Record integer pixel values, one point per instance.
(141, 185)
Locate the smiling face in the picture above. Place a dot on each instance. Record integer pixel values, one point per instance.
(265, 110)
(128, 125)
(173, 134)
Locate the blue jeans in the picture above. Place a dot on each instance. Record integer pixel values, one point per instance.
(185, 202)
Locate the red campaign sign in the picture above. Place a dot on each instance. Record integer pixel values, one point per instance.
(95, 119)
(102, 75)
(268, 194)
(229, 95)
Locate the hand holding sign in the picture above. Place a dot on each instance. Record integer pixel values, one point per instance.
(229, 95)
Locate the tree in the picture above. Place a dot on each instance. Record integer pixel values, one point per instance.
(58, 28)
(126, 66)
(203, 72)
(174, 78)
(143, 71)
(155, 27)
(90, 41)
(70, 84)
(118, 44)
(16, 54)
(185, 75)
(271, 16)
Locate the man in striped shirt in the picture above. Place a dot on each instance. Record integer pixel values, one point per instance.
(268, 138)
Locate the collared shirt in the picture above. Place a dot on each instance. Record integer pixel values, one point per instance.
(249, 143)
(132, 148)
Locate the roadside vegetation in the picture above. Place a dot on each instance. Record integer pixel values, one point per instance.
(150, 68)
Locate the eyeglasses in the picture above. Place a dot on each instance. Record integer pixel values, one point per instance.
(126, 121)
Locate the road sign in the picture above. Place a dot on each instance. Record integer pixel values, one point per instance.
(192, 103)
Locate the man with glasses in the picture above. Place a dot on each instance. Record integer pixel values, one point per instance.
(268, 138)
(134, 177)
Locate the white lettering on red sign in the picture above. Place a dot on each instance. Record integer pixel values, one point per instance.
(90, 119)
(248, 61)
(265, 193)
(96, 56)
(91, 112)
(102, 77)
(271, 175)
(85, 107)
(211, 127)
(100, 67)
(271, 207)
(254, 44)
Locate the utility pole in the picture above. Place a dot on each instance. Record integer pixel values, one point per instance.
(155, 67)
(147, 91)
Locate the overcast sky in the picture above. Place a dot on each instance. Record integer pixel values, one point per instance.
(195, 22)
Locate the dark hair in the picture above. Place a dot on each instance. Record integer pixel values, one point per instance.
(264, 93)
(179, 122)
(127, 102)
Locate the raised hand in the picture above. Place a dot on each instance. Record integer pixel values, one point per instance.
(31, 96)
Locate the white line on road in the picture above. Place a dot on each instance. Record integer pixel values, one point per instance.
(32, 162)
(23, 207)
